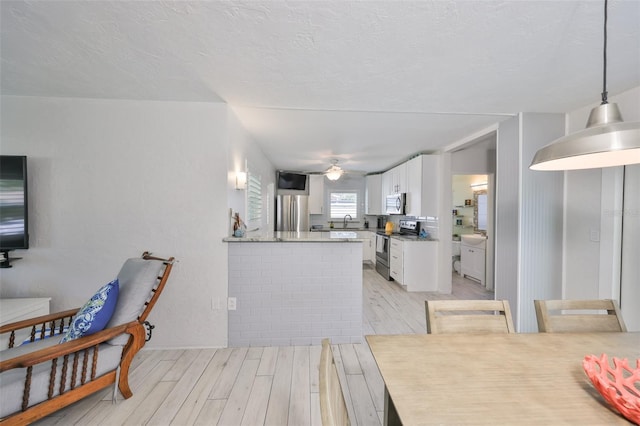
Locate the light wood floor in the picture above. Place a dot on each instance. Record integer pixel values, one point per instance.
(262, 386)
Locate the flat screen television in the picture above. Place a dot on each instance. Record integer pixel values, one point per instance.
(292, 181)
(14, 223)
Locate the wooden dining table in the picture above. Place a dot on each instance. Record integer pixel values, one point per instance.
(496, 379)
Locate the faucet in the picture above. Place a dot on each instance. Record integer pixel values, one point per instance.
(344, 223)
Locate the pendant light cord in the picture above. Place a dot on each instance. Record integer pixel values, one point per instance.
(604, 74)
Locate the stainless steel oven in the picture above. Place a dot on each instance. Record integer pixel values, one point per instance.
(382, 255)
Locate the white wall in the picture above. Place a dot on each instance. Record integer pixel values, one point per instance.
(593, 203)
(109, 179)
(630, 267)
(541, 196)
(244, 151)
(528, 262)
(472, 161)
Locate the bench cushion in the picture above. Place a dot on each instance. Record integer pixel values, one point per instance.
(12, 381)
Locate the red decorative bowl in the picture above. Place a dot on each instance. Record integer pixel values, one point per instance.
(619, 386)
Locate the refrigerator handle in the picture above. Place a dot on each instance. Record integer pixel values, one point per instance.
(294, 215)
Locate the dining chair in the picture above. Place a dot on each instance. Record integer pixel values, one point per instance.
(553, 318)
(333, 408)
(468, 316)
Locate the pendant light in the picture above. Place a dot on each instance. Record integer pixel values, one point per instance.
(334, 172)
(607, 141)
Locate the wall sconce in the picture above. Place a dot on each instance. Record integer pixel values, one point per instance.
(479, 186)
(241, 180)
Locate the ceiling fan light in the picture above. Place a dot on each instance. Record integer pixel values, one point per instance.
(334, 172)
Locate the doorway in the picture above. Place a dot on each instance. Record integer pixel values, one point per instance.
(472, 178)
(472, 214)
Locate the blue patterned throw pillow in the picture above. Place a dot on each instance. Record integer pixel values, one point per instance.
(95, 314)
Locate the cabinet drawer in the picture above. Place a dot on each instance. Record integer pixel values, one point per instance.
(397, 275)
(395, 262)
(396, 268)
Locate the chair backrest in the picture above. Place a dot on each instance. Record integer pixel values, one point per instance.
(333, 408)
(469, 316)
(553, 318)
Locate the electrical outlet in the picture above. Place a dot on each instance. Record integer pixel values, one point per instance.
(594, 235)
(231, 304)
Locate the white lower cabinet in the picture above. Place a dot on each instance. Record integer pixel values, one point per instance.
(368, 246)
(396, 260)
(472, 261)
(414, 264)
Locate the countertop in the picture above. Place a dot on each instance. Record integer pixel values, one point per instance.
(334, 236)
(348, 228)
(401, 237)
(411, 238)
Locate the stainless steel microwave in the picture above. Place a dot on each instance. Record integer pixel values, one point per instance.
(394, 204)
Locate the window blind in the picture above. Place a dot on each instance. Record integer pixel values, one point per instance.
(254, 200)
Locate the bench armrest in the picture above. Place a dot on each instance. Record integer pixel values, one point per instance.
(43, 319)
(67, 348)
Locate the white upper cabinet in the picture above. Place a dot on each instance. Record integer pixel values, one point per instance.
(414, 192)
(316, 194)
(399, 176)
(394, 181)
(420, 179)
(373, 194)
(423, 194)
(387, 185)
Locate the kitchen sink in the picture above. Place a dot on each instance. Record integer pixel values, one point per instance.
(474, 240)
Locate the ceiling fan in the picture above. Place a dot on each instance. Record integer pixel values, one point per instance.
(334, 172)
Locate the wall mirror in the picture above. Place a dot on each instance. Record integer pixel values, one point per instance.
(480, 211)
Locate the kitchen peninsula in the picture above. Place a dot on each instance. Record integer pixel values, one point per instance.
(295, 288)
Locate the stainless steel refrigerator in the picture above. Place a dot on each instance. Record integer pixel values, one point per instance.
(292, 213)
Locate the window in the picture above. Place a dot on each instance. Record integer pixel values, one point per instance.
(254, 201)
(344, 203)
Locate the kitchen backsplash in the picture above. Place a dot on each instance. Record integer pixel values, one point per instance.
(431, 224)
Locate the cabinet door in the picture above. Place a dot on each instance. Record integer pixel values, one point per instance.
(414, 187)
(366, 245)
(472, 260)
(420, 260)
(400, 178)
(316, 194)
(373, 195)
(372, 247)
(387, 185)
(430, 192)
(479, 264)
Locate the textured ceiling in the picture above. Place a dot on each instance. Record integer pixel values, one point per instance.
(367, 82)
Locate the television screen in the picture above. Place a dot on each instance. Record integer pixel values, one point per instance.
(289, 180)
(14, 232)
